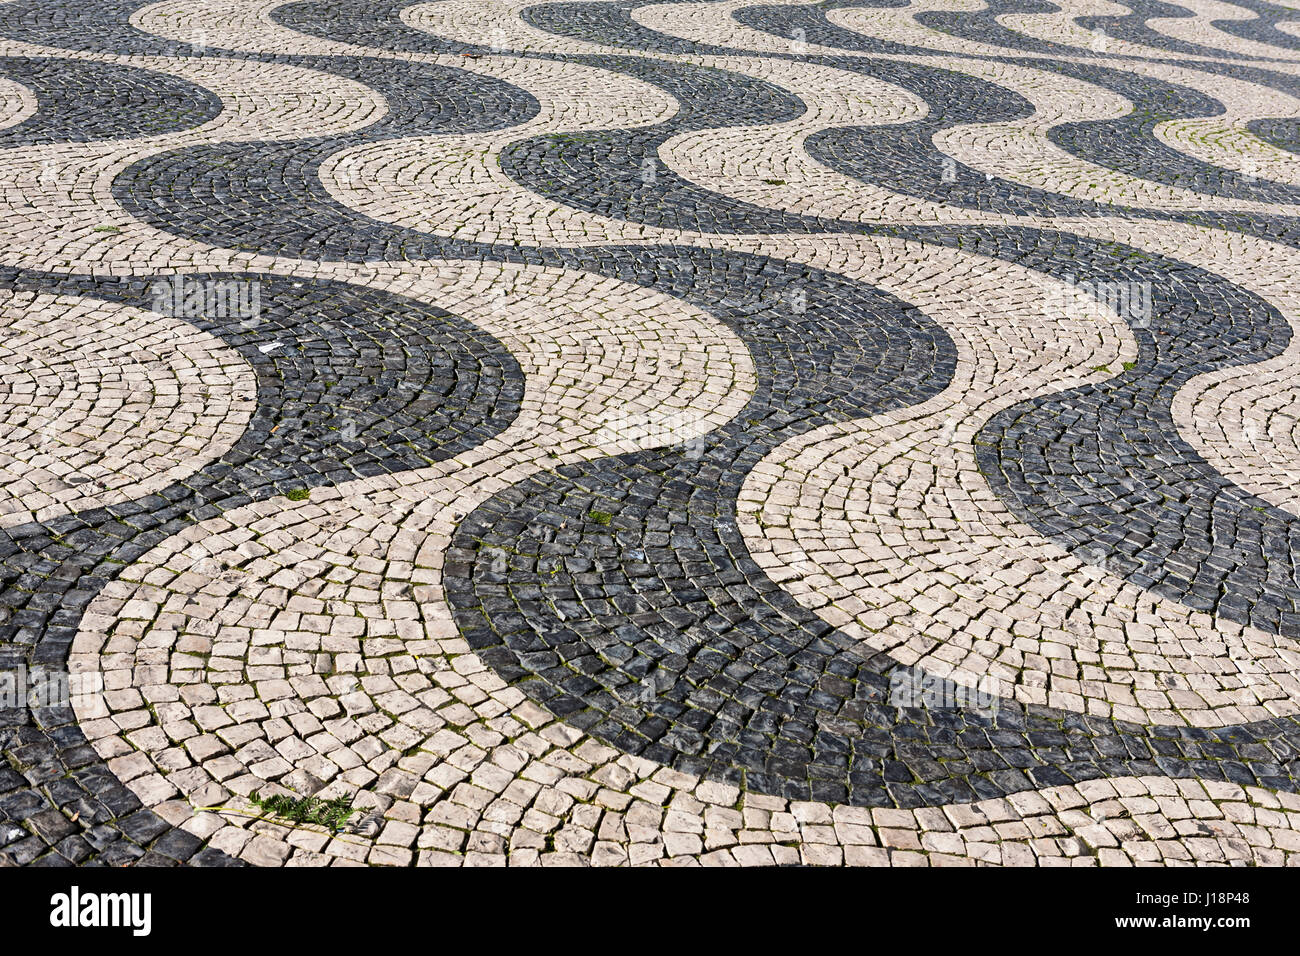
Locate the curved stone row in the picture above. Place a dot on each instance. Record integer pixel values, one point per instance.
(618, 170)
(103, 404)
(1163, 164)
(1175, 588)
(1129, 27)
(326, 675)
(846, 516)
(1092, 140)
(502, 782)
(1194, 23)
(664, 597)
(69, 25)
(1192, 28)
(1245, 421)
(81, 101)
(361, 559)
(57, 197)
(1186, 532)
(1153, 102)
(1251, 572)
(650, 582)
(374, 23)
(350, 381)
(1080, 27)
(1265, 26)
(318, 21)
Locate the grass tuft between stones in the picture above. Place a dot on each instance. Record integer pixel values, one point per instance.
(331, 814)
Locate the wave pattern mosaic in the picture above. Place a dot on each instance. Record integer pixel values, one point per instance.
(624, 432)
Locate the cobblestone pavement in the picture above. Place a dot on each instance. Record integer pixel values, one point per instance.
(629, 432)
